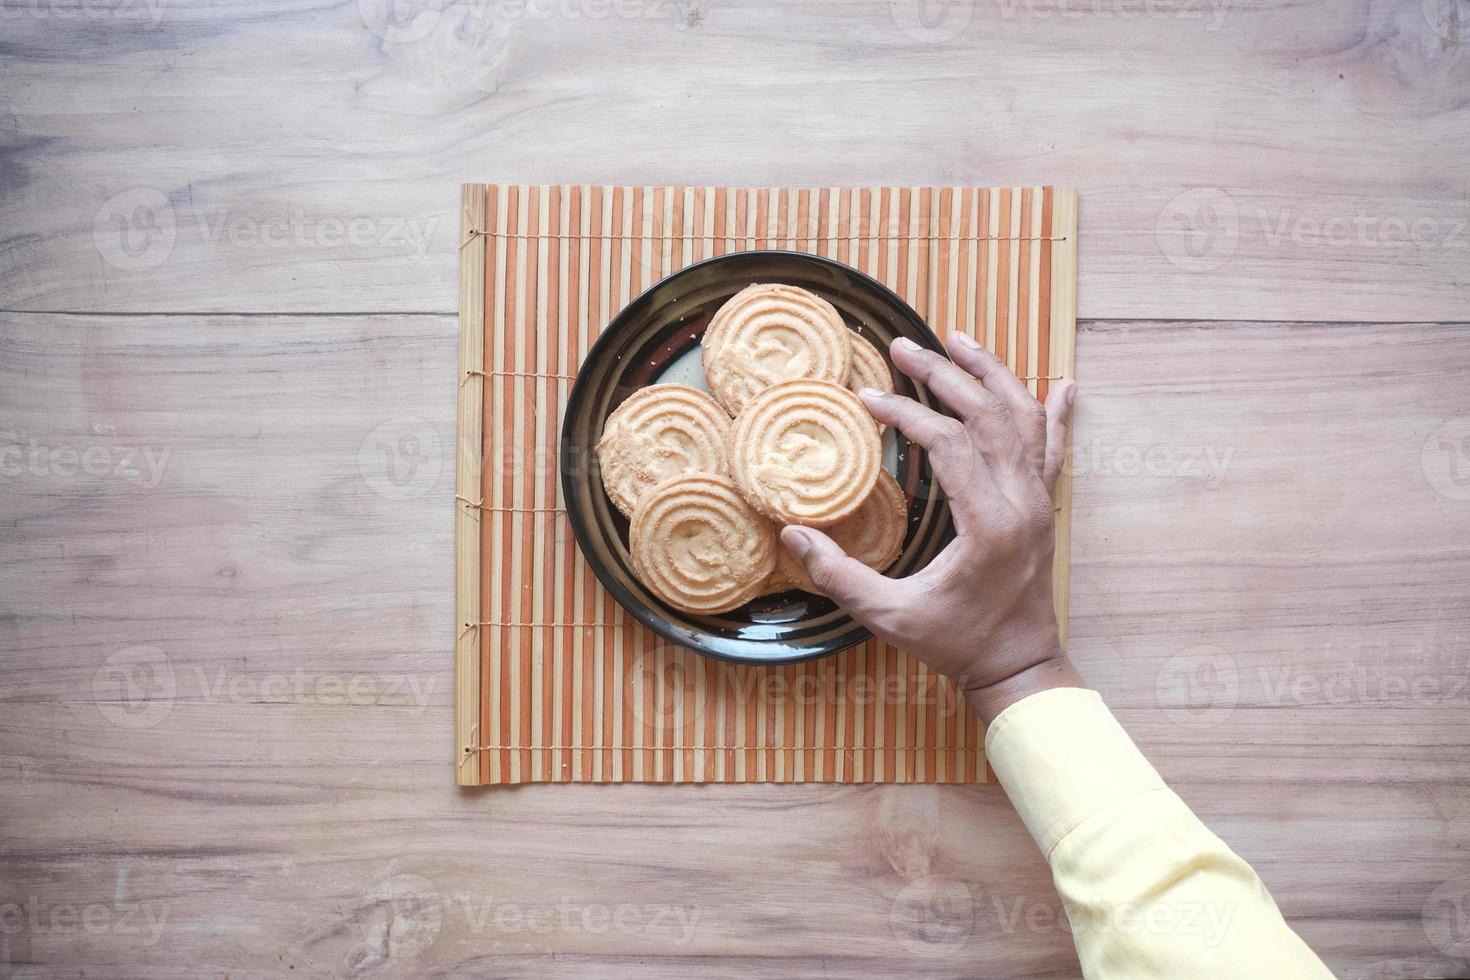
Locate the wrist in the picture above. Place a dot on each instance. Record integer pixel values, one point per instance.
(1050, 671)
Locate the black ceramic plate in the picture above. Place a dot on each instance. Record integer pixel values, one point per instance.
(636, 349)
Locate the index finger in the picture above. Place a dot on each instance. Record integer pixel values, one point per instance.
(951, 384)
(958, 466)
(991, 372)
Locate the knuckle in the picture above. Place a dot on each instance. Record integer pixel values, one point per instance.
(1056, 461)
(983, 400)
(825, 574)
(909, 618)
(926, 363)
(979, 356)
(950, 430)
(952, 371)
(998, 409)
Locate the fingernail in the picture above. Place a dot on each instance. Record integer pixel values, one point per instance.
(797, 539)
(903, 343)
(965, 340)
(869, 393)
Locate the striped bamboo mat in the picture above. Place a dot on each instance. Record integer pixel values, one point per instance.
(554, 681)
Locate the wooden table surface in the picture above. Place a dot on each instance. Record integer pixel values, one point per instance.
(227, 375)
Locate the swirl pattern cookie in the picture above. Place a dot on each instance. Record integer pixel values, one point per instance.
(873, 535)
(869, 370)
(699, 546)
(769, 333)
(805, 452)
(660, 432)
(778, 581)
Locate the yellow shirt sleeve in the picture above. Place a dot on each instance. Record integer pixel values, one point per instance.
(1149, 891)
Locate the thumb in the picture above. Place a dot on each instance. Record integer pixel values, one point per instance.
(847, 581)
(1059, 402)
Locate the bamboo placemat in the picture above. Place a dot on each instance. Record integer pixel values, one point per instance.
(554, 681)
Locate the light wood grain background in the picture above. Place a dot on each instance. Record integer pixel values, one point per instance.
(227, 360)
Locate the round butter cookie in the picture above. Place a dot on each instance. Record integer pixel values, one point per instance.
(805, 452)
(769, 333)
(778, 581)
(699, 546)
(660, 432)
(873, 535)
(869, 370)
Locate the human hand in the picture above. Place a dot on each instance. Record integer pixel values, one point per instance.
(981, 612)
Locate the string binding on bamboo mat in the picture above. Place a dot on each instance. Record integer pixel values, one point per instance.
(468, 749)
(571, 626)
(850, 750)
(480, 505)
(764, 235)
(513, 374)
(572, 377)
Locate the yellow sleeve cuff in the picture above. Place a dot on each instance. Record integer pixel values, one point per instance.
(1062, 758)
